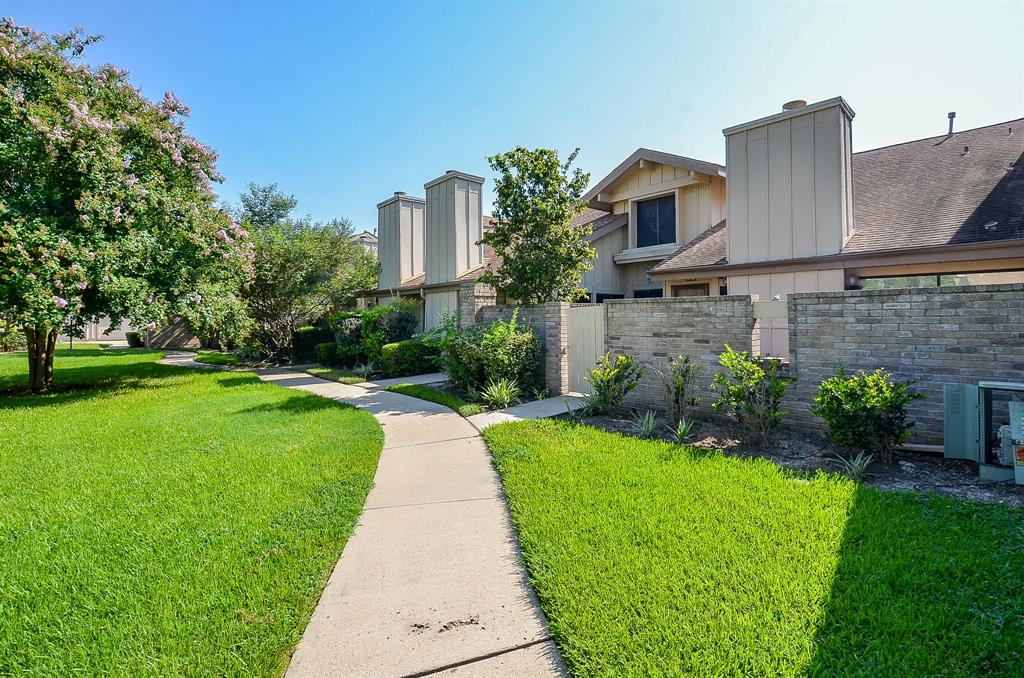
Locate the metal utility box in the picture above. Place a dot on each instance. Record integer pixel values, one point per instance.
(961, 422)
(987, 431)
(1017, 439)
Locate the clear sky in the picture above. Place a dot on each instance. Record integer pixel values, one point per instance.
(344, 103)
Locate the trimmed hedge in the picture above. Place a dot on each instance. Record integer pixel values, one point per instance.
(327, 353)
(134, 339)
(409, 357)
(305, 340)
(480, 354)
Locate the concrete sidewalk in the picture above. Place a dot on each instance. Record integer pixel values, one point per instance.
(431, 581)
(538, 409)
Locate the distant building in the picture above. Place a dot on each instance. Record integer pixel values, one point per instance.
(367, 240)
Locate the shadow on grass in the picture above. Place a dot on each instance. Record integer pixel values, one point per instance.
(297, 404)
(925, 585)
(83, 382)
(245, 380)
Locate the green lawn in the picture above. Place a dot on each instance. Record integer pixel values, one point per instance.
(652, 559)
(216, 358)
(438, 396)
(159, 521)
(340, 376)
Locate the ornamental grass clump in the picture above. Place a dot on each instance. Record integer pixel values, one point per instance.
(866, 412)
(751, 391)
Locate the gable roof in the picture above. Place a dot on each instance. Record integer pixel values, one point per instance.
(933, 192)
(601, 222)
(660, 157)
(923, 193)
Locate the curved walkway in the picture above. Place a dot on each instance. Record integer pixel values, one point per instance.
(431, 581)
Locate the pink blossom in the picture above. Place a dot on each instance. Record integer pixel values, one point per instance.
(82, 285)
(172, 104)
(59, 302)
(151, 326)
(31, 276)
(198, 298)
(58, 284)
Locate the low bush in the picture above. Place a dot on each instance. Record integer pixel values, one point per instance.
(134, 339)
(327, 353)
(12, 339)
(347, 327)
(680, 379)
(501, 393)
(305, 340)
(406, 358)
(613, 378)
(504, 349)
(387, 324)
(866, 412)
(751, 391)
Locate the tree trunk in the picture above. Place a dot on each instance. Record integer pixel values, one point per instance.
(41, 344)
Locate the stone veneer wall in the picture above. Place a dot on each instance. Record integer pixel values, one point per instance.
(653, 330)
(551, 321)
(935, 335)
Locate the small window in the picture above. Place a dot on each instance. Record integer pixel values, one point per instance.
(723, 290)
(656, 221)
(647, 294)
(601, 296)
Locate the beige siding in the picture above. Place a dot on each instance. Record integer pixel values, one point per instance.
(634, 277)
(437, 303)
(775, 332)
(605, 276)
(790, 190)
(400, 229)
(454, 226)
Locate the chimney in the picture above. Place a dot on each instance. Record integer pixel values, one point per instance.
(790, 187)
(950, 115)
(400, 234)
(454, 225)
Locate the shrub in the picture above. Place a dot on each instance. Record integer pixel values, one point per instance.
(405, 358)
(327, 353)
(134, 339)
(751, 391)
(680, 379)
(12, 339)
(305, 340)
(501, 393)
(479, 354)
(866, 412)
(613, 378)
(387, 324)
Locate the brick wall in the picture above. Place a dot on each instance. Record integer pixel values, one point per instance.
(653, 330)
(936, 335)
(551, 321)
(472, 297)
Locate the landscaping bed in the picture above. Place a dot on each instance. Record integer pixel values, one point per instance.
(804, 451)
(651, 558)
(157, 520)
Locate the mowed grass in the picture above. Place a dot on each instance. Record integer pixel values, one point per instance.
(654, 559)
(161, 521)
(449, 400)
(216, 358)
(340, 376)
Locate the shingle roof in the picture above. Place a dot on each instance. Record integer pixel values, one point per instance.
(920, 194)
(933, 192)
(707, 249)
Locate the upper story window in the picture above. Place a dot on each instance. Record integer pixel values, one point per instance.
(656, 221)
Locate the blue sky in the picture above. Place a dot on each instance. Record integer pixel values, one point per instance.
(344, 103)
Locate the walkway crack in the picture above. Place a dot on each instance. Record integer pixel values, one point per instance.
(480, 658)
(429, 503)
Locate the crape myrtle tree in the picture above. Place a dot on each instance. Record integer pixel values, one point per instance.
(544, 255)
(301, 270)
(106, 204)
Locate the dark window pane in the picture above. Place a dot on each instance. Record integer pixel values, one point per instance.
(666, 220)
(601, 296)
(647, 223)
(647, 294)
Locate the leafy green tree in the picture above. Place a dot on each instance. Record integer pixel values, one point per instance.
(302, 270)
(106, 204)
(544, 256)
(265, 205)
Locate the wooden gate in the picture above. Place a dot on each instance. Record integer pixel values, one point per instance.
(586, 343)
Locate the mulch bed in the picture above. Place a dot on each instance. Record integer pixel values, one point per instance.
(807, 452)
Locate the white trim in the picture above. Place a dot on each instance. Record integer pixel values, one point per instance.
(454, 174)
(645, 253)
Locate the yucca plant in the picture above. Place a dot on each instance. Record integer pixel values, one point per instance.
(645, 424)
(364, 371)
(501, 393)
(856, 467)
(682, 431)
